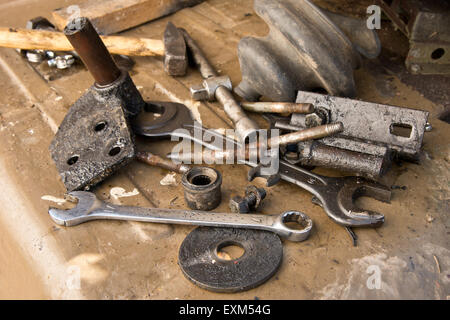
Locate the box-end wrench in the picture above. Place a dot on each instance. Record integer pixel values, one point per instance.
(89, 207)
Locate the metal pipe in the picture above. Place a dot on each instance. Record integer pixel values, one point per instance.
(253, 149)
(306, 134)
(154, 160)
(92, 51)
(278, 107)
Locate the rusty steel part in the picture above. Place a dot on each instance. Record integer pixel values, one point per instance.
(256, 172)
(426, 23)
(94, 139)
(92, 142)
(306, 134)
(92, 51)
(251, 201)
(395, 128)
(89, 208)
(278, 107)
(317, 154)
(336, 152)
(175, 55)
(207, 90)
(156, 161)
(296, 54)
(200, 260)
(219, 89)
(159, 119)
(253, 149)
(202, 188)
(336, 194)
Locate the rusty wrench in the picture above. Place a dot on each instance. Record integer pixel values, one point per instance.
(89, 208)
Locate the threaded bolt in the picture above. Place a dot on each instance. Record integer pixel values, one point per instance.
(251, 201)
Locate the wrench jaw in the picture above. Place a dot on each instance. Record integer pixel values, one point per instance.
(87, 203)
(355, 187)
(296, 235)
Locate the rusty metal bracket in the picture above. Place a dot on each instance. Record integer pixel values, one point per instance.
(296, 53)
(94, 139)
(400, 130)
(426, 23)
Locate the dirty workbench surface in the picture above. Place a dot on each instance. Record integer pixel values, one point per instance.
(134, 260)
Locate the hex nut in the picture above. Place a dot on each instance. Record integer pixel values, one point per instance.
(239, 205)
(257, 193)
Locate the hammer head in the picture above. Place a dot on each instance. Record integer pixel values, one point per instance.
(87, 203)
(175, 54)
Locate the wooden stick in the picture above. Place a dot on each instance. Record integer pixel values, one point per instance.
(113, 16)
(57, 41)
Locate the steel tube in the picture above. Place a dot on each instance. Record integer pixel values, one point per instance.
(278, 107)
(92, 51)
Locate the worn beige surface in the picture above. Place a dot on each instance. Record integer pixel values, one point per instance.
(139, 261)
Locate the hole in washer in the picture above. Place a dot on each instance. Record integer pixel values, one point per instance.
(437, 54)
(72, 160)
(200, 180)
(229, 251)
(100, 126)
(114, 151)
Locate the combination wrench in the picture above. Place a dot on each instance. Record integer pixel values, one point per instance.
(89, 208)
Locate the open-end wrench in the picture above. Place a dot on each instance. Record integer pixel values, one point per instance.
(337, 195)
(89, 207)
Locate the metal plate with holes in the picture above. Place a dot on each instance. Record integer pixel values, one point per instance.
(200, 263)
(92, 142)
(400, 129)
(159, 119)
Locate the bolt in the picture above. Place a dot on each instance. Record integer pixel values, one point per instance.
(199, 93)
(251, 201)
(428, 127)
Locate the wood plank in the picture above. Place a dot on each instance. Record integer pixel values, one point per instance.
(112, 16)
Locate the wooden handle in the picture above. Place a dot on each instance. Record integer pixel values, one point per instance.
(57, 41)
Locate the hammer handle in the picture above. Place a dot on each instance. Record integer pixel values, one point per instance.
(57, 41)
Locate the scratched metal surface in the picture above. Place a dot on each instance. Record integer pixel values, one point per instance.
(135, 260)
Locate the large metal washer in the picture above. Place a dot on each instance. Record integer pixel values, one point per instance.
(200, 263)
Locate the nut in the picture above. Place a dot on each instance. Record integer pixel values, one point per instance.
(319, 117)
(239, 205)
(254, 196)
